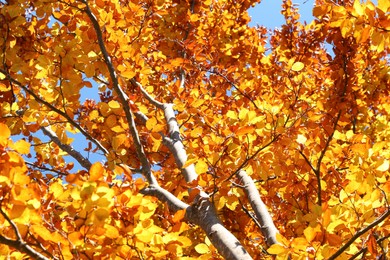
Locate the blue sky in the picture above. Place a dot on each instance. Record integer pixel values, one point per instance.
(267, 13)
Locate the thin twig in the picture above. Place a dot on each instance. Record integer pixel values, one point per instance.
(19, 244)
(58, 111)
(359, 233)
(84, 162)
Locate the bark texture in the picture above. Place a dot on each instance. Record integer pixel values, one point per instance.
(268, 228)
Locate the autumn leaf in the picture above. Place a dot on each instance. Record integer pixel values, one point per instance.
(5, 133)
(128, 127)
(297, 66)
(202, 248)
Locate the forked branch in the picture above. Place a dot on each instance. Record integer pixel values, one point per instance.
(58, 111)
(173, 141)
(359, 233)
(19, 244)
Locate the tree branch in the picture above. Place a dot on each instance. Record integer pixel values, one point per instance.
(53, 108)
(124, 99)
(202, 213)
(174, 141)
(19, 244)
(163, 195)
(84, 162)
(359, 233)
(267, 225)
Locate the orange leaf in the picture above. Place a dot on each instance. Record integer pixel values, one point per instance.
(71, 178)
(372, 246)
(5, 133)
(96, 171)
(179, 215)
(245, 130)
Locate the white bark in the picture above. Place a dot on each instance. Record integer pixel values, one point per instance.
(203, 213)
(268, 228)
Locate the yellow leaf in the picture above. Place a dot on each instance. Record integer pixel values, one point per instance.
(384, 5)
(145, 236)
(384, 166)
(189, 162)
(2, 76)
(297, 66)
(20, 178)
(96, 171)
(201, 167)
(202, 248)
(34, 203)
(4, 181)
(357, 8)
(150, 124)
(114, 104)
(185, 241)
(22, 147)
(129, 74)
(76, 238)
(301, 139)
(111, 232)
(101, 214)
(5, 133)
(310, 233)
(277, 249)
(231, 203)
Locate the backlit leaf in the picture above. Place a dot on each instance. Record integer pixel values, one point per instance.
(297, 66)
(4, 134)
(384, 166)
(96, 171)
(202, 248)
(301, 139)
(21, 146)
(277, 249)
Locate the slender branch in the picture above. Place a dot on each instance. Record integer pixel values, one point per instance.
(317, 169)
(328, 141)
(244, 163)
(124, 99)
(58, 111)
(364, 249)
(147, 96)
(307, 160)
(359, 233)
(44, 168)
(267, 225)
(250, 214)
(163, 195)
(19, 244)
(174, 141)
(84, 162)
(236, 88)
(13, 225)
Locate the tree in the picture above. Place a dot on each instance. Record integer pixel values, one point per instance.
(219, 139)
